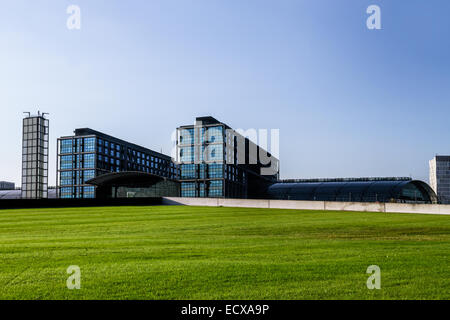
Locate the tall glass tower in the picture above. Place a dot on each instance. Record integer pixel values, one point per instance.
(35, 157)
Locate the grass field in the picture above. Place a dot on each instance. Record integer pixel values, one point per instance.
(180, 252)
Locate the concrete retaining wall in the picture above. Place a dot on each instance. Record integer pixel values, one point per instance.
(312, 205)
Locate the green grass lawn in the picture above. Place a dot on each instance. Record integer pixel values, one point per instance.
(177, 252)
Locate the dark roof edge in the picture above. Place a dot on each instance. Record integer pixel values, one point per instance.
(363, 179)
(89, 131)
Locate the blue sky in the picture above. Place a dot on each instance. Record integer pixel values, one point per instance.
(348, 101)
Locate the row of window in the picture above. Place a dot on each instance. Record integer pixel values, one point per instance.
(34, 187)
(76, 177)
(201, 171)
(86, 161)
(207, 135)
(210, 189)
(109, 149)
(77, 145)
(212, 152)
(37, 172)
(34, 194)
(33, 121)
(77, 192)
(35, 129)
(35, 136)
(35, 180)
(35, 143)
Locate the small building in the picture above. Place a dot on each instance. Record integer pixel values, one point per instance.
(7, 185)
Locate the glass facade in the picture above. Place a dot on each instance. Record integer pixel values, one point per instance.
(201, 154)
(89, 154)
(207, 153)
(35, 158)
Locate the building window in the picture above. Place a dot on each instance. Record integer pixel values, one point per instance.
(66, 162)
(89, 161)
(215, 188)
(212, 152)
(66, 146)
(188, 171)
(187, 136)
(66, 178)
(215, 171)
(214, 134)
(89, 144)
(188, 189)
(88, 192)
(187, 154)
(66, 192)
(88, 175)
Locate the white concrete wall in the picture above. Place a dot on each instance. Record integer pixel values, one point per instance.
(292, 204)
(417, 208)
(244, 203)
(312, 205)
(355, 206)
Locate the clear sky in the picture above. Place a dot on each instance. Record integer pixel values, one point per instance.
(348, 101)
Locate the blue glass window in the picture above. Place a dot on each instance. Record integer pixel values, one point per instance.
(89, 144)
(188, 171)
(215, 134)
(66, 178)
(215, 170)
(187, 136)
(187, 154)
(66, 192)
(66, 162)
(66, 146)
(88, 192)
(213, 152)
(89, 161)
(215, 188)
(88, 174)
(188, 189)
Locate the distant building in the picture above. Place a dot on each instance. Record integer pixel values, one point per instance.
(216, 161)
(90, 154)
(7, 185)
(35, 157)
(440, 177)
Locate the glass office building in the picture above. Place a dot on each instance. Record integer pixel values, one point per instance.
(35, 157)
(208, 154)
(89, 154)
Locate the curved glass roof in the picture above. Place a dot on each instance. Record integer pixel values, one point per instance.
(358, 191)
